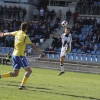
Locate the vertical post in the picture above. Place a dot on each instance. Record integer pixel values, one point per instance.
(49, 2)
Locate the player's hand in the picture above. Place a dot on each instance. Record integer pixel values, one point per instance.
(83, 47)
(1, 34)
(42, 55)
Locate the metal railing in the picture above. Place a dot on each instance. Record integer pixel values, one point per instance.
(63, 3)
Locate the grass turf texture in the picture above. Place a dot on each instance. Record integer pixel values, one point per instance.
(45, 84)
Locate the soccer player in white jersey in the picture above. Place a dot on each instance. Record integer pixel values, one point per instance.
(66, 47)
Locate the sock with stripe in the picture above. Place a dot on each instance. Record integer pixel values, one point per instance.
(9, 74)
(25, 78)
(62, 67)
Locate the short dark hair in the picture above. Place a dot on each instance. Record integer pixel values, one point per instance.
(67, 28)
(24, 26)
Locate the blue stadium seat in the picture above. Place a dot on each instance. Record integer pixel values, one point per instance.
(86, 26)
(84, 58)
(94, 58)
(92, 52)
(59, 50)
(7, 37)
(36, 36)
(82, 43)
(6, 50)
(99, 3)
(56, 49)
(79, 57)
(89, 59)
(73, 51)
(28, 47)
(11, 50)
(88, 51)
(83, 30)
(95, 3)
(87, 29)
(97, 52)
(74, 56)
(80, 36)
(40, 36)
(57, 56)
(66, 57)
(2, 50)
(79, 51)
(47, 55)
(51, 55)
(70, 56)
(98, 58)
(90, 26)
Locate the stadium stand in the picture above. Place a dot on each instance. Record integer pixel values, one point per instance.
(84, 30)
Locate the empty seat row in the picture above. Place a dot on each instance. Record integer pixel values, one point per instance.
(77, 57)
(90, 52)
(5, 50)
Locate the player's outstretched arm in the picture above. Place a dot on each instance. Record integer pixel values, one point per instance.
(37, 50)
(5, 34)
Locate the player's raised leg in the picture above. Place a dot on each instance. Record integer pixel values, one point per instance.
(10, 74)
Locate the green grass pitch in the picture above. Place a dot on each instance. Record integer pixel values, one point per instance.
(45, 84)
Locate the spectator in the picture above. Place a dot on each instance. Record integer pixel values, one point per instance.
(18, 12)
(52, 14)
(42, 14)
(14, 11)
(47, 14)
(24, 12)
(48, 31)
(21, 15)
(76, 41)
(0, 10)
(58, 16)
(95, 47)
(47, 48)
(75, 15)
(8, 59)
(5, 11)
(68, 15)
(35, 13)
(56, 41)
(10, 9)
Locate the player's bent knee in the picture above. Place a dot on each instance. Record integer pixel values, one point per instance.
(14, 74)
(27, 74)
(28, 69)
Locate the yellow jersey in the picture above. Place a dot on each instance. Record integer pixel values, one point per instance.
(21, 39)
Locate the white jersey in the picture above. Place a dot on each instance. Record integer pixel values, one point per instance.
(66, 40)
(66, 44)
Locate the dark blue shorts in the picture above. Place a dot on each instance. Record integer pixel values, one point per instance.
(19, 61)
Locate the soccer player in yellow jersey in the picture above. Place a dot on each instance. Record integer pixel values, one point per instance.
(18, 58)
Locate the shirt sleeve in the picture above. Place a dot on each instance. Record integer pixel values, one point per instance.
(27, 40)
(61, 35)
(14, 33)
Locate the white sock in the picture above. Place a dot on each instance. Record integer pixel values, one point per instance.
(62, 67)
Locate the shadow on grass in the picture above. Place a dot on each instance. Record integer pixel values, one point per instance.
(71, 95)
(46, 90)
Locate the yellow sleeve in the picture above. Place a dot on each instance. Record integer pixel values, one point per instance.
(14, 33)
(27, 40)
